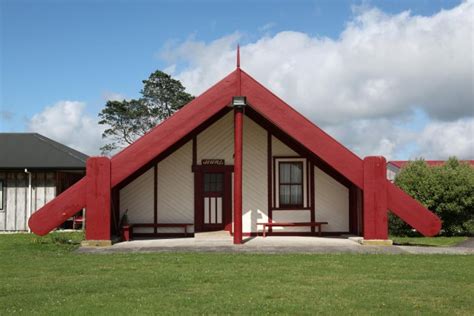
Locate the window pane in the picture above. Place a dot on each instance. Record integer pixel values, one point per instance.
(213, 182)
(297, 173)
(290, 179)
(296, 195)
(284, 172)
(206, 183)
(219, 182)
(284, 194)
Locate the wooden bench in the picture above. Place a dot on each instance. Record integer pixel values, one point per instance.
(172, 225)
(292, 224)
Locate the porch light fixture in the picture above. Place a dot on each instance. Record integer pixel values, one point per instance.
(239, 102)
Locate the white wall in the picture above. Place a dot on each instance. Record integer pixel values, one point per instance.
(175, 193)
(13, 216)
(44, 189)
(137, 197)
(331, 202)
(292, 216)
(280, 149)
(176, 183)
(176, 189)
(217, 141)
(392, 172)
(254, 173)
(176, 180)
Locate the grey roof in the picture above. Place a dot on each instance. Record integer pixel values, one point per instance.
(35, 151)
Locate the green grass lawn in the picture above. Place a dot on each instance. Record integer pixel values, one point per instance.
(428, 241)
(44, 276)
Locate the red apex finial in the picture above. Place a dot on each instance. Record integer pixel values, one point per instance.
(238, 56)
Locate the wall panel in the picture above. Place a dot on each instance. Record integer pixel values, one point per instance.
(21, 200)
(11, 202)
(176, 189)
(137, 198)
(254, 182)
(331, 202)
(217, 141)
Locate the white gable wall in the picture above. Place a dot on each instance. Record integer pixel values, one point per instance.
(254, 176)
(176, 189)
(217, 141)
(176, 183)
(280, 149)
(137, 197)
(331, 202)
(175, 193)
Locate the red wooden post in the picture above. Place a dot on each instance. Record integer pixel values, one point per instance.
(375, 198)
(98, 198)
(238, 131)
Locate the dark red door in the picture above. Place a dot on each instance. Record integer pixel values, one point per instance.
(213, 198)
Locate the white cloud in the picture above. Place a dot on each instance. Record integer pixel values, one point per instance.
(444, 139)
(363, 136)
(205, 62)
(68, 123)
(361, 85)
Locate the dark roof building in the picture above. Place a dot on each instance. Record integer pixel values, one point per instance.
(33, 171)
(35, 151)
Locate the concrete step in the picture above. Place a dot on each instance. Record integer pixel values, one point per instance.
(214, 235)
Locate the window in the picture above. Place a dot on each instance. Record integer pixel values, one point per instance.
(1, 195)
(213, 182)
(290, 183)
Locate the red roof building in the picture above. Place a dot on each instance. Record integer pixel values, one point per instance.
(394, 166)
(401, 163)
(236, 158)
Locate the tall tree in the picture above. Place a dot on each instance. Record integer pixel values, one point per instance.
(127, 120)
(164, 95)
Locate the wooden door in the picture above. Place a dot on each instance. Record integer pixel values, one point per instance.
(213, 201)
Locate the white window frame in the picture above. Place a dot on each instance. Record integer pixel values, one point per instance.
(276, 181)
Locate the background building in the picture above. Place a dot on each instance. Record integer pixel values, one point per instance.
(394, 167)
(33, 170)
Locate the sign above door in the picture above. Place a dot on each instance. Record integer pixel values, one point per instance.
(213, 162)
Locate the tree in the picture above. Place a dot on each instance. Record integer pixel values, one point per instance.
(454, 197)
(164, 95)
(127, 120)
(415, 179)
(448, 190)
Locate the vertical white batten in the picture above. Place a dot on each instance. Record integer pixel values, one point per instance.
(28, 203)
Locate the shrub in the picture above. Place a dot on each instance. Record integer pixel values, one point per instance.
(447, 190)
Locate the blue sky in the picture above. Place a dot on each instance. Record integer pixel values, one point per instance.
(86, 50)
